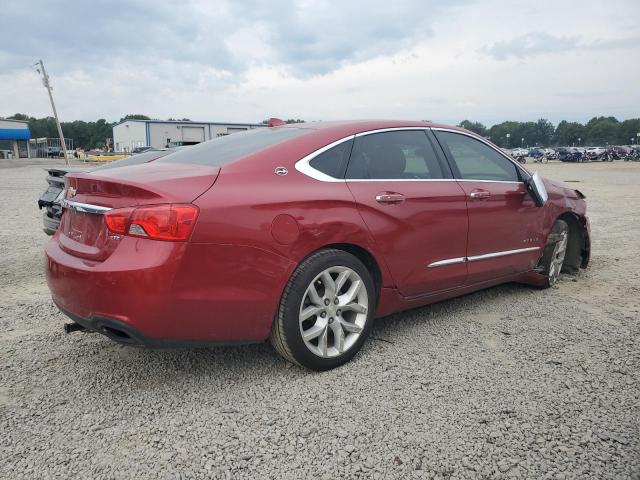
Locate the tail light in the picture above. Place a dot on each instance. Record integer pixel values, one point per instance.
(157, 222)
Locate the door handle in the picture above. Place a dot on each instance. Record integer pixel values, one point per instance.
(479, 194)
(389, 197)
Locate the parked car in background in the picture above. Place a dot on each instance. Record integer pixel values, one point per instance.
(535, 152)
(633, 154)
(519, 152)
(569, 154)
(596, 153)
(54, 152)
(616, 153)
(550, 154)
(303, 234)
(51, 199)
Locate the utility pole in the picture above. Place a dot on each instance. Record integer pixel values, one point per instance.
(45, 81)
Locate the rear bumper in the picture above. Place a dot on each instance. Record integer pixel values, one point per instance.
(50, 224)
(125, 334)
(169, 293)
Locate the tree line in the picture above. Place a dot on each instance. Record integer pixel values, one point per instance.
(597, 131)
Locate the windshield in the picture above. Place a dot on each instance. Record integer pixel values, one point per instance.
(223, 150)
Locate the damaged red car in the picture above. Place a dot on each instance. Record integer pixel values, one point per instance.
(303, 234)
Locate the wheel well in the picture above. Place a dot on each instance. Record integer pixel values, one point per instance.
(365, 257)
(576, 246)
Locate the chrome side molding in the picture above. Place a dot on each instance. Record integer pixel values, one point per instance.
(85, 207)
(475, 258)
(449, 261)
(501, 254)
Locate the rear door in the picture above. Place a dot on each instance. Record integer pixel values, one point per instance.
(415, 211)
(504, 222)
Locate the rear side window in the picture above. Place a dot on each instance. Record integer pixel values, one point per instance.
(475, 160)
(404, 154)
(333, 161)
(223, 150)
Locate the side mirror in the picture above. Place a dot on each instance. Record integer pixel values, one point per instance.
(535, 187)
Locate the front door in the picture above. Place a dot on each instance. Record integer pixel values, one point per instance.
(504, 222)
(415, 211)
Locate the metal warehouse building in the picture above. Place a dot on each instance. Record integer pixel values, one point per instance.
(130, 134)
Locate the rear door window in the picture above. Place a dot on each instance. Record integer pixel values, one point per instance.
(396, 155)
(475, 160)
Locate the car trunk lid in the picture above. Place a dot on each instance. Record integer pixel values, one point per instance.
(83, 231)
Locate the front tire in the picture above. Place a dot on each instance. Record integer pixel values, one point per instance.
(326, 311)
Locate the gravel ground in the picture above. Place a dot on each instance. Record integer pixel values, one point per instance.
(510, 382)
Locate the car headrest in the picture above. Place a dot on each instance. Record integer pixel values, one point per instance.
(387, 161)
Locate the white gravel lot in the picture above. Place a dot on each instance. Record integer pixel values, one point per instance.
(510, 382)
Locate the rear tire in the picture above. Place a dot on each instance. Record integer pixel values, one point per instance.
(326, 311)
(554, 252)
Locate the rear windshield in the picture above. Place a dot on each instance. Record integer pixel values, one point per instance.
(138, 158)
(223, 150)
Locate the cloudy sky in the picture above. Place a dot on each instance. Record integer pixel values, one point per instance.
(445, 61)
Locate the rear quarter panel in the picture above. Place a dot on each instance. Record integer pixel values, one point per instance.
(290, 216)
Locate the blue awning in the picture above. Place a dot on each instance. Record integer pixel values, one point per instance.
(14, 134)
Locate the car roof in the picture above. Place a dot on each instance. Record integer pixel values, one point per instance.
(351, 127)
(316, 135)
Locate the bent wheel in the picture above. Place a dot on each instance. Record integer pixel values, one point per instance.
(326, 311)
(555, 251)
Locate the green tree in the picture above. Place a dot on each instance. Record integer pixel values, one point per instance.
(628, 132)
(498, 134)
(134, 116)
(570, 133)
(475, 127)
(602, 130)
(19, 116)
(544, 132)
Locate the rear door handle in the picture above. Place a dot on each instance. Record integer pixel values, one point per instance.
(389, 197)
(479, 194)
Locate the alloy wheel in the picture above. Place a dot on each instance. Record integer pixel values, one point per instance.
(333, 311)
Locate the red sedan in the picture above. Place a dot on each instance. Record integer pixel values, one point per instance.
(303, 234)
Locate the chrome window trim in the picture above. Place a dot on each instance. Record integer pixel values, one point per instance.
(488, 144)
(421, 180)
(399, 179)
(390, 129)
(85, 207)
(489, 181)
(475, 258)
(303, 166)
